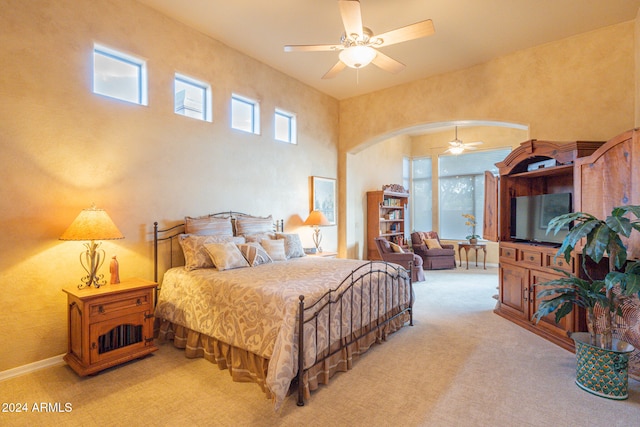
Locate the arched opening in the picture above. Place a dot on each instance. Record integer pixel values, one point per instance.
(386, 159)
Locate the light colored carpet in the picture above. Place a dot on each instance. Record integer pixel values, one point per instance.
(460, 365)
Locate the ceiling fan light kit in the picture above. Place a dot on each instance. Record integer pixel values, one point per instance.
(358, 47)
(457, 146)
(357, 56)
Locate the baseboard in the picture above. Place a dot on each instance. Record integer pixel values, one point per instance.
(31, 367)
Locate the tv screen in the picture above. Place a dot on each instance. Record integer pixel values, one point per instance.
(530, 216)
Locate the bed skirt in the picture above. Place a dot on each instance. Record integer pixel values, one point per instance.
(244, 366)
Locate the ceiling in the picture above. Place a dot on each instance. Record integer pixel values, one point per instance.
(467, 32)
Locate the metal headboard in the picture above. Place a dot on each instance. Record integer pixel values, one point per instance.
(171, 234)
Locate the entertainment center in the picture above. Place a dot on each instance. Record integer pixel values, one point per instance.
(527, 198)
(598, 177)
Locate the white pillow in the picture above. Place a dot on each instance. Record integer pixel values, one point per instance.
(195, 255)
(275, 249)
(226, 256)
(292, 245)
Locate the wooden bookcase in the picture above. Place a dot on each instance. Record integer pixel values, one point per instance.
(387, 215)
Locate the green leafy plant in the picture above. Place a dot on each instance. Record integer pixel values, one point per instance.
(471, 223)
(602, 238)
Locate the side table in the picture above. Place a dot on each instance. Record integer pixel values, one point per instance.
(467, 246)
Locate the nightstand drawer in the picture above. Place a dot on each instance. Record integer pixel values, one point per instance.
(139, 301)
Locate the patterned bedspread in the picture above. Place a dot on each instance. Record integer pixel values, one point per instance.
(255, 308)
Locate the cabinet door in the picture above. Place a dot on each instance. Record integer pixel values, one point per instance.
(491, 213)
(114, 338)
(548, 322)
(514, 290)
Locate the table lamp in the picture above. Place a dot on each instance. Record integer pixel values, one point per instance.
(316, 219)
(92, 224)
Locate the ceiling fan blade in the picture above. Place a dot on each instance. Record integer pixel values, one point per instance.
(312, 47)
(351, 17)
(410, 32)
(473, 143)
(466, 147)
(334, 70)
(386, 63)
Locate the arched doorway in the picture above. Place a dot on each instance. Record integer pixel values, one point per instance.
(381, 161)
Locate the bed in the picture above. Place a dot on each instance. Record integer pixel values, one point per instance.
(286, 323)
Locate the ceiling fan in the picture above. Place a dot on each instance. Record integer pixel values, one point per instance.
(359, 47)
(457, 146)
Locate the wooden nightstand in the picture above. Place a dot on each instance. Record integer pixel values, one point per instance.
(324, 254)
(109, 325)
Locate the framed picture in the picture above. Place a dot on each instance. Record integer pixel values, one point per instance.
(323, 193)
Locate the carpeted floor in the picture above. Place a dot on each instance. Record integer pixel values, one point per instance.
(460, 365)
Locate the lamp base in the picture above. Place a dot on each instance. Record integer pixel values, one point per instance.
(91, 260)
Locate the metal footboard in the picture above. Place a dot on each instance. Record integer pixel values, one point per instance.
(391, 282)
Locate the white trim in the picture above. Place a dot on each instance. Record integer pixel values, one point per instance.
(31, 367)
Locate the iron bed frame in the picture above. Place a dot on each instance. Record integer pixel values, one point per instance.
(332, 302)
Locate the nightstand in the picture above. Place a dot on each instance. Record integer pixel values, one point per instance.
(109, 325)
(324, 254)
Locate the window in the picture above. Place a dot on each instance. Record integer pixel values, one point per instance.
(119, 76)
(285, 126)
(422, 194)
(461, 189)
(192, 98)
(245, 114)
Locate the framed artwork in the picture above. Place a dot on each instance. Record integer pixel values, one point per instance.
(323, 194)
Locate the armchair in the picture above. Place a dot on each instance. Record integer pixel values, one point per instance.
(401, 258)
(436, 258)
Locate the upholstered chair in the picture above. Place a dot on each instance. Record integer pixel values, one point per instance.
(434, 254)
(401, 258)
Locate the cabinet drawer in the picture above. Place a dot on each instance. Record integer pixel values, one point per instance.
(129, 302)
(558, 262)
(508, 253)
(533, 258)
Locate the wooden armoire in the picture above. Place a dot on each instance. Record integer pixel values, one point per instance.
(598, 175)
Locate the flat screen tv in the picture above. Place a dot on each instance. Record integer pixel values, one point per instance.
(530, 216)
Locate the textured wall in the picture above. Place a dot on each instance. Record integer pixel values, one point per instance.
(579, 88)
(63, 148)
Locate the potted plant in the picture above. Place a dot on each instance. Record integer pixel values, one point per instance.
(601, 360)
(471, 223)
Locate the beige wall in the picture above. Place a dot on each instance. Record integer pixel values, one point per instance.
(63, 148)
(580, 88)
(366, 172)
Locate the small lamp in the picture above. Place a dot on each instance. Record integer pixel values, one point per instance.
(92, 224)
(317, 219)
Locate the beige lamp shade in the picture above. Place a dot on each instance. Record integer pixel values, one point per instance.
(92, 224)
(317, 218)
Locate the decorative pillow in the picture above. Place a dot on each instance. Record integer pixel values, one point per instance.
(259, 237)
(396, 248)
(254, 225)
(195, 255)
(254, 253)
(226, 256)
(292, 245)
(432, 243)
(275, 249)
(208, 225)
